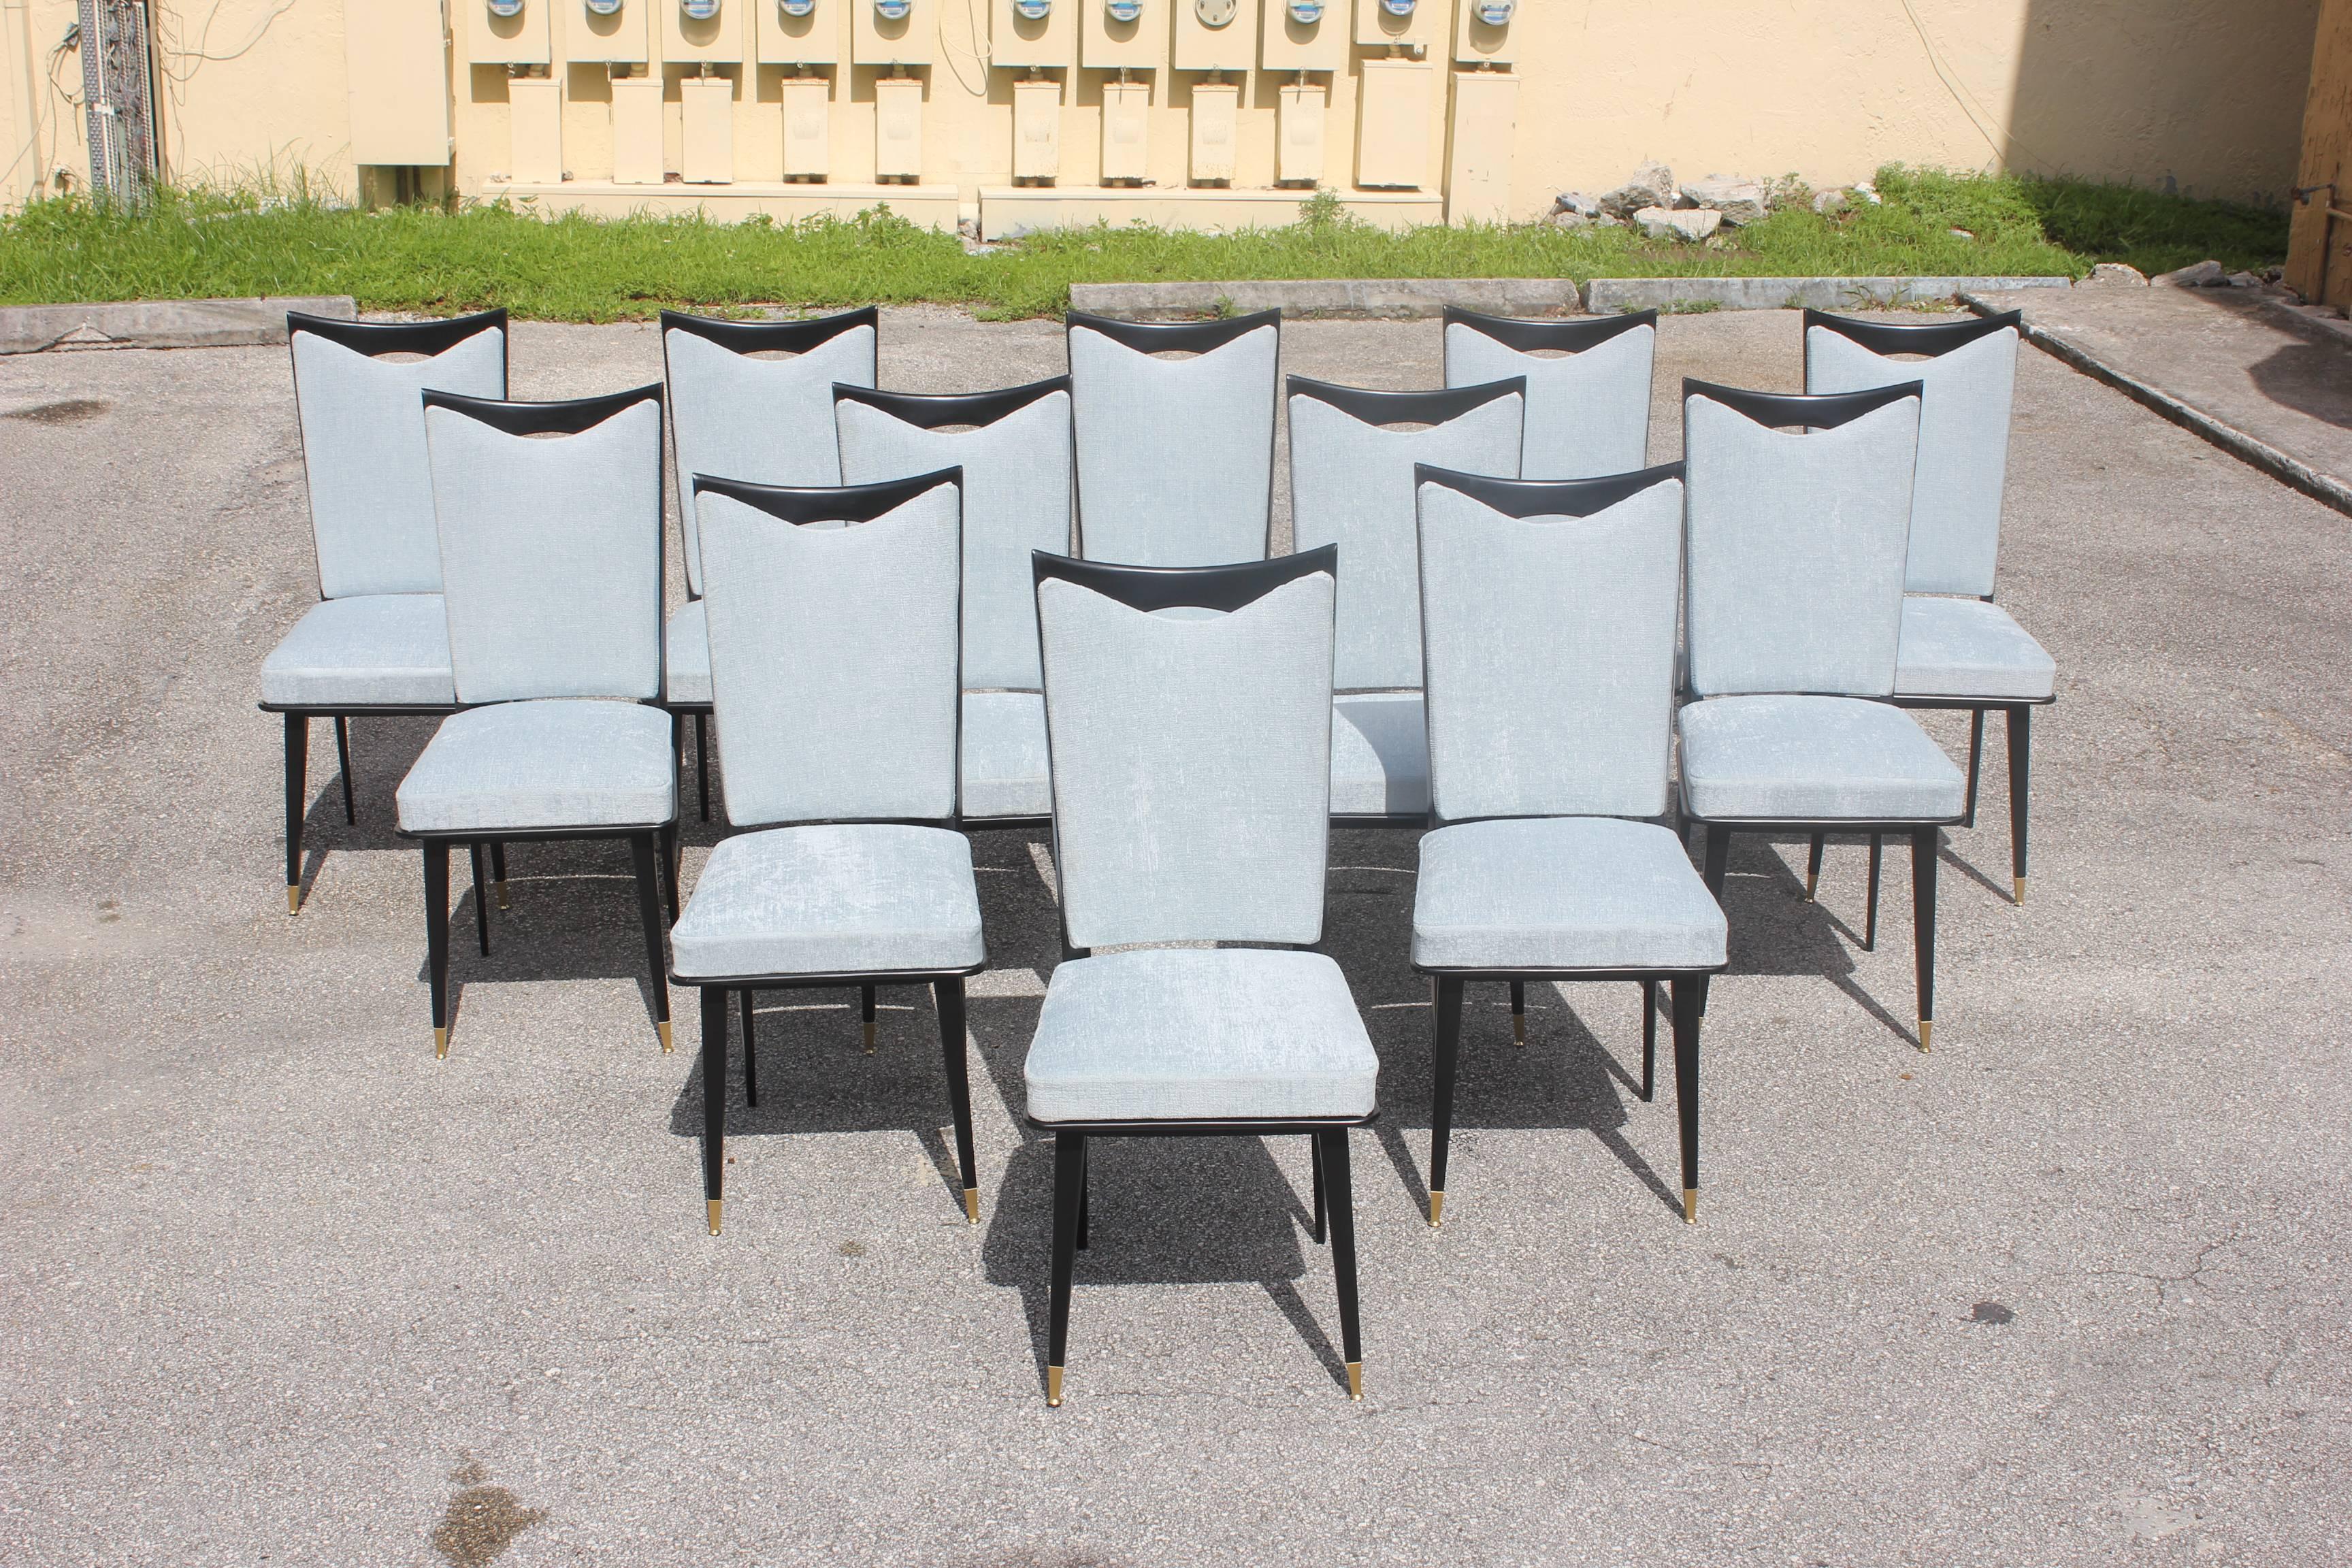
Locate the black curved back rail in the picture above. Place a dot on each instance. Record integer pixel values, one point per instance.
(566, 417)
(1227, 588)
(771, 337)
(939, 410)
(829, 503)
(1824, 411)
(1565, 335)
(1378, 407)
(373, 338)
(1546, 498)
(1178, 337)
(1928, 338)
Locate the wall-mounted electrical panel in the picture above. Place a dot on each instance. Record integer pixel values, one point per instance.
(1216, 120)
(1037, 131)
(1215, 35)
(1023, 33)
(1126, 132)
(535, 124)
(1478, 161)
(1413, 24)
(1112, 34)
(898, 129)
(892, 32)
(1482, 31)
(506, 32)
(693, 31)
(637, 131)
(808, 127)
(707, 131)
(1304, 34)
(1299, 115)
(396, 59)
(801, 32)
(1392, 114)
(604, 32)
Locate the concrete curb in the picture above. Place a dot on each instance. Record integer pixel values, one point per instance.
(160, 323)
(1614, 295)
(2290, 471)
(1389, 298)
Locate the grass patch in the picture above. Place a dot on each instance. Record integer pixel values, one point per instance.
(201, 243)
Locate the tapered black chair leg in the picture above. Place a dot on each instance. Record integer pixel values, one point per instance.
(1445, 1049)
(1649, 1039)
(948, 995)
(1343, 1253)
(436, 938)
(2021, 791)
(1069, 1188)
(751, 1054)
(1315, 1157)
(649, 913)
(1813, 866)
(1087, 1197)
(702, 764)
(1685, 1004)
(481, 904)
(1518, 1012)
(714, 1099)
(678, 746)
(343, 766)
(1717, 868)
(1976, 764)
(297, 801)
(499, 868)
(670, 859)
(1923, 845)
(865, 1015)
(1870, 911)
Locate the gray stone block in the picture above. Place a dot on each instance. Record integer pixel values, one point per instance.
(1391, 298)
(1612, 295)
(160, 323)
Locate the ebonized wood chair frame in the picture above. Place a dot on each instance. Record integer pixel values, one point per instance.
(1567, 334)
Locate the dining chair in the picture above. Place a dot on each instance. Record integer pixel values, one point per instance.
(751, 401)
(376, 645)
(1549, 619)
(1014, 447)
(1175, 456)
(1797, 515)
(1352, 456)
(1189, 712)
(549, 518)
(1958, 649)
(833, 643)
(1588, 384)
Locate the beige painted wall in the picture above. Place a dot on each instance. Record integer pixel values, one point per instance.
(2204, 95)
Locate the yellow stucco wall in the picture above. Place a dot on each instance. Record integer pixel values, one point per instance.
(2204, 95)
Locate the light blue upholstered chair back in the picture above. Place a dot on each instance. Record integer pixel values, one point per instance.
(1014, 451)
(1351, 484)
(1588, 386)
(766, 421)
(1192, 759)
(1796, 540)
(1964, 419)
(551, 544)
(1175, 456)
(363, 442)
(1550, 644)
(833, 648)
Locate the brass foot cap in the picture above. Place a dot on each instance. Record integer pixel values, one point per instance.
(1436, 1210)
(440, 1042)
(293, 898)
(711, 1213)
(2020, 884)
(503, 893)
(972, 1205)
(662, 1029)
(1813, 882)
(1690, 1206)
(1053, 1385)
(1927, 1033)
(869, 1036)
(1519, 1029)
(1355, 1380)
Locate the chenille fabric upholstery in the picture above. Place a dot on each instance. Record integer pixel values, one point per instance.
(1175, 456)
(515, 766)
(1588, 413)
(1562, 893)
(1813, 759)
(1005, 761)
(371, 650)
(1967, 647)
(832, 899)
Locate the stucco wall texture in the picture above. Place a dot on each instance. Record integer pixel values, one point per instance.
(2203, 96)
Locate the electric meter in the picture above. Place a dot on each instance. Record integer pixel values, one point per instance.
(1397, 7)
(1122, 11)
(1033, 10)
(1215, 13)
(1495, 13)
(603, 7)
(892, 10)
(796, 9)
(1306, 12)
(697, 10)
(503, 9)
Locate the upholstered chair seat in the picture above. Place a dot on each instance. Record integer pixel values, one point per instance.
(831, 898)
(1379, 754)
(1969, 648)
(1182, 1034)
(686, 656)
(1004, 760)
(1801, 759)
(516, 767)
(371, 650)
(1562, 892)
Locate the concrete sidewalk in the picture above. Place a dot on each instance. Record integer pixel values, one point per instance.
(276, 1287)
(2251, 376)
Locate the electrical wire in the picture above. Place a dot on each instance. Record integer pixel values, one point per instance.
(1976, 112)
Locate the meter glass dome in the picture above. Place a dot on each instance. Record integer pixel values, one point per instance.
(1123, 10)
